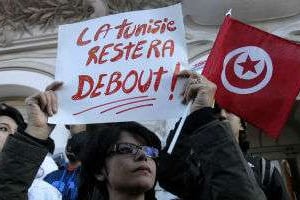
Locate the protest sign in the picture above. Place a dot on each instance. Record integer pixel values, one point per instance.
(121, 67)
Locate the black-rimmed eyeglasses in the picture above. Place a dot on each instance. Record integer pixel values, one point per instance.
(133, 149)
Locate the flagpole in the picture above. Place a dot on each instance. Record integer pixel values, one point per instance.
(174, 140)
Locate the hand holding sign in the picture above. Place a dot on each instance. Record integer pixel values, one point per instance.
(198, 89)
(199, 93)
(39, 107)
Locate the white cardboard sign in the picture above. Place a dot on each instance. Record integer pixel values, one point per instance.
(121, 67)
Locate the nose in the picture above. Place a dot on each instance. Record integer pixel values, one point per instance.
(140, 155)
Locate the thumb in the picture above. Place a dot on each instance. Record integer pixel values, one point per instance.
(54, 86)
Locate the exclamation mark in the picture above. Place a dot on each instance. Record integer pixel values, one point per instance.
(174, 80)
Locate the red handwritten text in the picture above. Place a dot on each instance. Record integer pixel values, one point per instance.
(127, 29)
(108, 84)
(155, 48)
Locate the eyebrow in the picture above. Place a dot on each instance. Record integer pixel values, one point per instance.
(4, 124)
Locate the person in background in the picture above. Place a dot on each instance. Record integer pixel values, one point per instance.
(66, 179)
(206, 162)
(40, 189)
(25, 145)
(10, 121)
(267, 175)
(60, 158)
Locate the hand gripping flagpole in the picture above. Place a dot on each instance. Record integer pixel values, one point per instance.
(174, 140)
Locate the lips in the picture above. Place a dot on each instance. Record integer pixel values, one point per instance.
(143, 168)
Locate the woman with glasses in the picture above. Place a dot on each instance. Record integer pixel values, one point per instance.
(120, 162)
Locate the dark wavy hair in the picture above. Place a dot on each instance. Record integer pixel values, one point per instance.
(76, 145)
(102, 137)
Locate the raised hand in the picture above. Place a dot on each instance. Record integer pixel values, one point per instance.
(39, 107)
(198, 89)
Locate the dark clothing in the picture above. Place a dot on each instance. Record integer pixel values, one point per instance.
(66, 181)
(269, 178)
(20, 160)
(207, 163)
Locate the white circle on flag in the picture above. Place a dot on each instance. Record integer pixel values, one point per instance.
(250, 69)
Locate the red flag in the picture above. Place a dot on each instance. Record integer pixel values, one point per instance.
(257, 74)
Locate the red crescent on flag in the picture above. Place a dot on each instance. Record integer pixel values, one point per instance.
(236, 81)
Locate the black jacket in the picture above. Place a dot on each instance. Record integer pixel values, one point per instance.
(20, 160)
(207, 163)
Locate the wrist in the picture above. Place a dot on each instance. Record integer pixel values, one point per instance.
(199, 106)
(41, 133)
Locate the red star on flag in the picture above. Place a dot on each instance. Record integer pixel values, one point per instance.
(249, 65)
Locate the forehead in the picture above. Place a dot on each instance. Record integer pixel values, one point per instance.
(128, 137)
(7, 120)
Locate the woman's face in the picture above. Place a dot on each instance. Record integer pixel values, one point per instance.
(7, 126)
(127, 172)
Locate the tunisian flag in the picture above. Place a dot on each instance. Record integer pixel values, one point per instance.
(257, 74)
